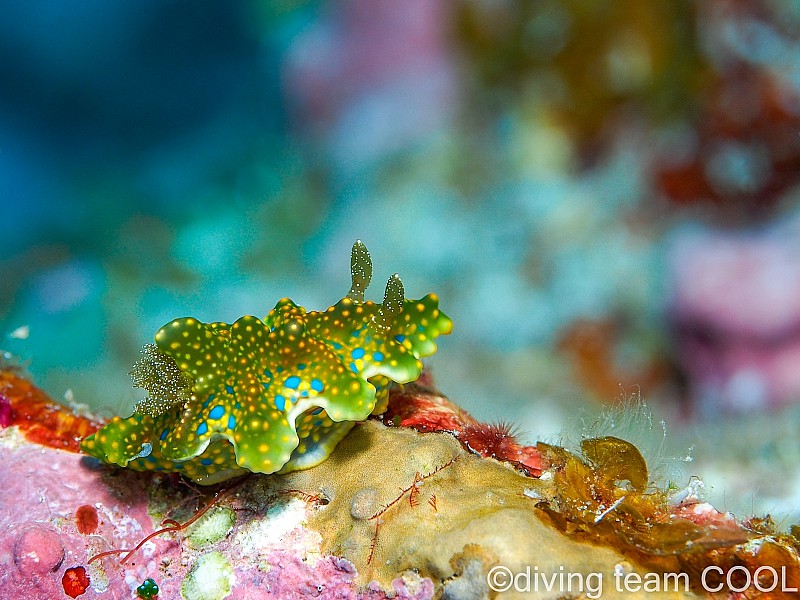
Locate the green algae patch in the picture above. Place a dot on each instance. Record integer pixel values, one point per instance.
(210, 578)
(211, 528)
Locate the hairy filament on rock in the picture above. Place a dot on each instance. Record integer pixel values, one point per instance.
(418, 479)
(307, 497)
(171, 526)
(413, 494)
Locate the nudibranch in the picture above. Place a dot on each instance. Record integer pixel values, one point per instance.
(272, 395)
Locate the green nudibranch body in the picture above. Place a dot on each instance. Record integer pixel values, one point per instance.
(271, 395)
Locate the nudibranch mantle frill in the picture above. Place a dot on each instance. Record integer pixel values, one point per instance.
(270, 396)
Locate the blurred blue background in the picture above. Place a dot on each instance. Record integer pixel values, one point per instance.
(603, 194)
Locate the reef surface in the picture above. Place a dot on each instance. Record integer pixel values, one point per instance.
(393, 513)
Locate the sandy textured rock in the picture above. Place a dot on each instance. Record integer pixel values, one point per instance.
(484, 515)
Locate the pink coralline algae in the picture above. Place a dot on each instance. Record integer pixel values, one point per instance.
(38, 550)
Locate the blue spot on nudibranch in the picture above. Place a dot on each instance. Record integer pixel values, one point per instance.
(400, 338)
(292, 382)
(206, 461)
(377, 356)
(316, 412)
(217, 412)
(229, 389)
(353, 367)
(336, 345)
(231, 422)
(202, 428)
(357, 353)
(317, 385)
(164, 434)
(301, 366)
(280, 402)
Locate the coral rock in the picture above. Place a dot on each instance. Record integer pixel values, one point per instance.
(38, 550)
(393, 512)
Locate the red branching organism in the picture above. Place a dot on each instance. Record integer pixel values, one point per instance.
(432, 502)
(411, 490)
(168, 526)
(413, 493)
(317, 499)
(420, 406)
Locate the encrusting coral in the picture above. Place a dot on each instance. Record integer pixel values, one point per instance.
(272, 395)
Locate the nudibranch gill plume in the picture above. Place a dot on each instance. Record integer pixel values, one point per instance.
(271, 395)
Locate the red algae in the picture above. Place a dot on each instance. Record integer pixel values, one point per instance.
(39, 418)
(75, 581)
(421, 407)
(86, 519)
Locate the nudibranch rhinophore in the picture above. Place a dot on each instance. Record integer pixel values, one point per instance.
(270, 396)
